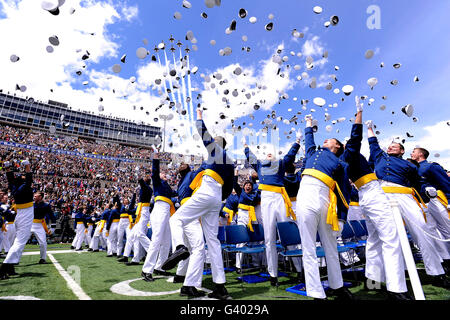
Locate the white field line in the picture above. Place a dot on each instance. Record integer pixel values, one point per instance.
(76, 289)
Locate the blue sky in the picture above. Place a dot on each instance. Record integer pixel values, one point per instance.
(412, 33)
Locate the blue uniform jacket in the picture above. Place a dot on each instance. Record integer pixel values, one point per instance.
(249, 199)
(272, 172)
(115, 214)
(20, 189)
(436, 176)
(218, 160)
(324, 160)
(80, 217)
(396, 170)
(160, 187)
(146, 192)
(358, 166)
(43, 210)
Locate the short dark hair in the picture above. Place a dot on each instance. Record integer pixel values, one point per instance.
(424, 152)
(247, 182)
(340, 151)
(183, 169)
(221, 141)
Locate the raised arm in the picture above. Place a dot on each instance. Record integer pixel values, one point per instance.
(236, 186)
(310, 145)
(251, 158)
(155, 172)
(202, 130)
(133, 202)
(289, 158)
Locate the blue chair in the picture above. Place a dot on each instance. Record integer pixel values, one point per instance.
(256, 236)
(360, 232)
(363, 223)
(236, 234)
(289, 236)
(149, 233)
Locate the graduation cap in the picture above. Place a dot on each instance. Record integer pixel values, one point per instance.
(408, 110)
(186, 4)
(177, 15)
(347, 89)
(233, 25)
(242, 13)
(252, 19)
(369, 54)
(54, 40)
(204, 15)
(14, 58)
(53, 6)
(269, 26)
(123, 58)
(397, 65)
(394, 82)
(372, 82)
(334, 20)
(317, 10)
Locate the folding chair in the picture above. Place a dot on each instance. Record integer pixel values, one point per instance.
(363, 223)
(289, 236)
(360, 232)
(236, 234)
(149, 233)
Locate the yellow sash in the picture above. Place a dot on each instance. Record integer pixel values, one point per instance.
(443, 199)
(411, 191)
(42, 221)
(251, 214)
(24, 205)
(116, 220)
(230, 214)
(167, 200)
(79, 222)
(124, 215)
(10, 222)
(197, 182)
(332, 218)
(102, 224)
(354, 203)
(4, 227)
(293, 199)
(365, 179)
(139, 209)
(282, 191)
(184, 201)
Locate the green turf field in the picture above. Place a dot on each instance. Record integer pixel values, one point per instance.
(97, 274)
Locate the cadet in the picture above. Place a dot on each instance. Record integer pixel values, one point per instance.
(39, 227)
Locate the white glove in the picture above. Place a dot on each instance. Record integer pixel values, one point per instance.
(369, 124)
(359, 104)
(25, 163)
(308, 117)
(7, 164)
(431, 192)
(299, 135)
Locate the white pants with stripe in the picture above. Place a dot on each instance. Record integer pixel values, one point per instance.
(38, 230)
(80, 235)
(88, 236)
(441, 247)
(204, 204)
(8, 236)
(23, 222)
(242, 220)
(96, 238)
(312, 210)
(112, 238)
(384, 257)
(141, 229)
(440, 214)
(415, 223)
(161, 239)
(122, 230)
(273, 210)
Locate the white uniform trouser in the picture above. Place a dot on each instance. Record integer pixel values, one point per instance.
(415, 223)
(88, 236)
(204, 204)
(141, 229)
(384, 257)
(440, 214)
(131, 237)
(112, 238)
(441, 247)
(80, 235)
(38, 230)
(273, 210)
(355, 213)
(122, 230)
(312, 210)
(243, 220)
(161, 239)
(96, 238)
(23, 222)
(9, 236)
